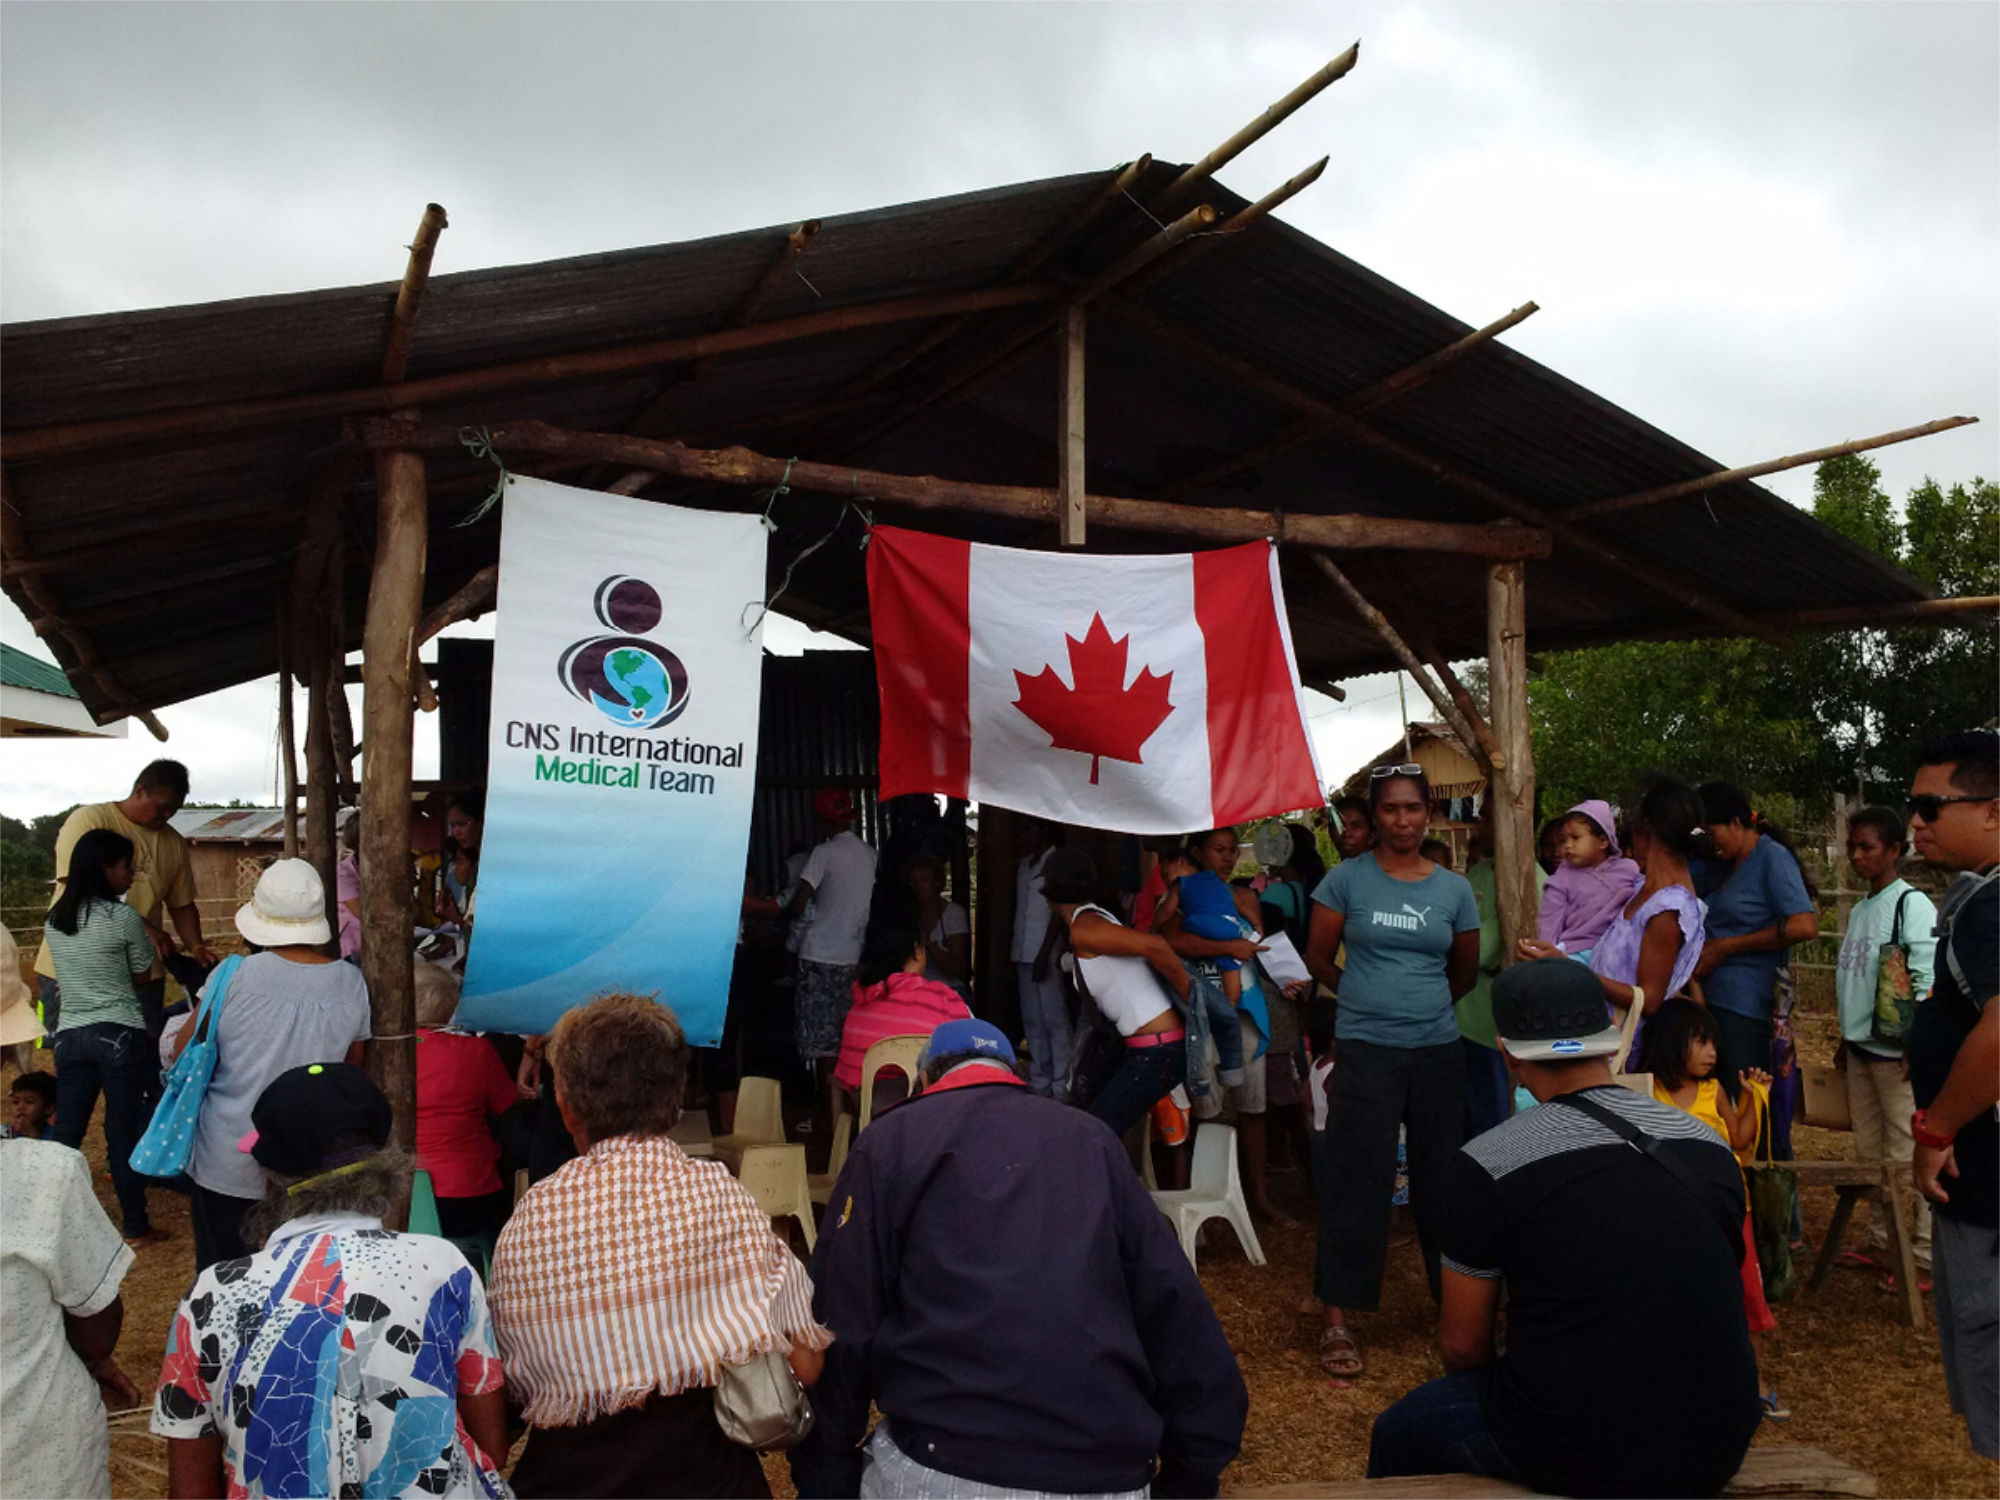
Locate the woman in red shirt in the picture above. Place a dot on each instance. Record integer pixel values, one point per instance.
(461, 1084)
(891, 998)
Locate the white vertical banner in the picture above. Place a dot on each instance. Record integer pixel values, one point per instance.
(622, 758)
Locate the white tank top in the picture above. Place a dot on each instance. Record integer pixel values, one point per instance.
(1124, 988)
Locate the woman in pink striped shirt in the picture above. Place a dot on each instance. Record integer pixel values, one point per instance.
(891, 998)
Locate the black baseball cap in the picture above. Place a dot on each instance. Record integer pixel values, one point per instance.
(1552, 1010)
(317, 1117)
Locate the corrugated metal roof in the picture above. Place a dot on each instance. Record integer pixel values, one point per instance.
(18, 669)
(249, 825)
(227, 511)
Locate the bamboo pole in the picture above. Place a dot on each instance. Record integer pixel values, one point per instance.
(1226, 229)
(952, 383)
(395, 600)
(1355, 430)
(340, 718)
(241, 416)
(1752, 471)
(1313, 428)
(288, 752)
(1072, 485)
(1379, 623)
(1486, 749)
(1513, 786)
(1269, 120)
(743, 468)
(322, 795)
(416, 276)
(781, 266)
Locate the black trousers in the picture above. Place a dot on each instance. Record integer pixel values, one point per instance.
(217, 1220)
(1378, 1091)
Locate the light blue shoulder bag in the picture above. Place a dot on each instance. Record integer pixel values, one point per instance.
(168, 1144)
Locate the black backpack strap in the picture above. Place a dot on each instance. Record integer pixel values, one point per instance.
(1654, 1148)
(1896, 922)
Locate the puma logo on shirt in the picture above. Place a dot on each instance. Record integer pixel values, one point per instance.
(1409, 919)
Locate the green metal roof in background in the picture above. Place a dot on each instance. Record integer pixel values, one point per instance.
(18, 669)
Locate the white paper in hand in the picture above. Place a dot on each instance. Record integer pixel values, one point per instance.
(1281, 960)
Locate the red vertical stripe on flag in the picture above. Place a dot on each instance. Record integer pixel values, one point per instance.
(918, 588)
(1259, 762)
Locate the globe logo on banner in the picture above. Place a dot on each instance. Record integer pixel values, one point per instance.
(633, 682)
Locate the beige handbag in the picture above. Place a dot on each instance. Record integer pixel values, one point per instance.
(761, 1404)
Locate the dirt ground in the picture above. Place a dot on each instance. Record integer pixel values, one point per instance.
(1860, 1385)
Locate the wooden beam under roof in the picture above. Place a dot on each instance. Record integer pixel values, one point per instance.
(742, 468)
(1354, 429)
(1386, 389)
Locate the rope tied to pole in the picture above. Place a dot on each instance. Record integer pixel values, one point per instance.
(478, 441)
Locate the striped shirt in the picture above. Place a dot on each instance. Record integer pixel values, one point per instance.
(96, 963)
(634, 1270)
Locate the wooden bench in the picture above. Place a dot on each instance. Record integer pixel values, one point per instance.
(1783, 1469)
(1850, 1180)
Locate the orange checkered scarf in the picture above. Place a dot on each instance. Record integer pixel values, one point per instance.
(633, 1270)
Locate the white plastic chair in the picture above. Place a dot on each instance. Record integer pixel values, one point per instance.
(775, 1175)
(1215, 1191)
(760, 1121)
(898, 1053)
(821, 1183)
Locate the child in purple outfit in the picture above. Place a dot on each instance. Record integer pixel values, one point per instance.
(1591, 885)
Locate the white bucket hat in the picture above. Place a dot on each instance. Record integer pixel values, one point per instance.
(18, 1021)
(289, 907)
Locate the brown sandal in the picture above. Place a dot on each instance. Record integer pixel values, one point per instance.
(1339, 1355)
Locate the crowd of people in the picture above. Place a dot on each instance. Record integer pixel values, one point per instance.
(990, 1276)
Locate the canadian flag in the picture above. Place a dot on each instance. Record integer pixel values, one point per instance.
(1148, 694)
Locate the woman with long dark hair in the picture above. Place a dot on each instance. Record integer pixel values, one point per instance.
(1411, 931)
(101, 952)
(1128, 976)
(1762, 905)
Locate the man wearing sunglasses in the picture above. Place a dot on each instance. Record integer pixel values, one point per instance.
(1954, 1057)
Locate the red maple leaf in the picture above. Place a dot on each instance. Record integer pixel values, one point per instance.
(1100, 715)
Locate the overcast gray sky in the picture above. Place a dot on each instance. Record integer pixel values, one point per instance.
(1762, 227)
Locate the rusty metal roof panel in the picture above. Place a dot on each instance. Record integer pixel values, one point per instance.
(227, 510)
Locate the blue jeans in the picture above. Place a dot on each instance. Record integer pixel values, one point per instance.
(118, 1060)
(1147, 1076)
(1219, 1016)
(1437, 1429)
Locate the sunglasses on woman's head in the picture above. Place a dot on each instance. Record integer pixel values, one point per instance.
(1929, 805)
(1383, 773)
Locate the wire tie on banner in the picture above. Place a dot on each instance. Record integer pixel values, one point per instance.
(784, 583)
(478, 441)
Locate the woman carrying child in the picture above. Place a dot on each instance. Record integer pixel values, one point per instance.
(1680, 1054)
(1650, 949)
(1593, 882)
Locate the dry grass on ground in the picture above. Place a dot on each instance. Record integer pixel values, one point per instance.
(1861, 1385)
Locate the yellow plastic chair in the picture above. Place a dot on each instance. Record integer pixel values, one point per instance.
(1215, 1191)
(821, 1183)
(692, 1134)
(776, 1177)
(897, 1053)
(760, 1121)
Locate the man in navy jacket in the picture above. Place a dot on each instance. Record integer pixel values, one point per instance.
(1002, 1288)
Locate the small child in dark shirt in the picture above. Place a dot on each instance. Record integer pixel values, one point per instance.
(31, 1105)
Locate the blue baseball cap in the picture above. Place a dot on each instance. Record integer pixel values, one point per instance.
(969, 1039)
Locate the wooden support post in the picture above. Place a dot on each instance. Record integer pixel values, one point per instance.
(1412, 664)
(288, 749)
(1513, 786)
(1071, 482)
(322, 786)
(395, 601)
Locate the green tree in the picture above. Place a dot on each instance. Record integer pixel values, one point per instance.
(1808, 719)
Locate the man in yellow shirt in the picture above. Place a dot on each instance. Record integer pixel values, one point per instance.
(162, 881)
